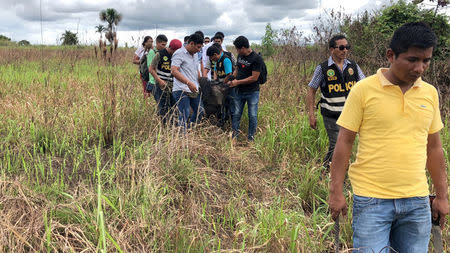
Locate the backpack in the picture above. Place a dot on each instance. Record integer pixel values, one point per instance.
(232, 58)
(262, 79)
(143, 68)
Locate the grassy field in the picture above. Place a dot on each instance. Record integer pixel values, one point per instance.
(86, 166)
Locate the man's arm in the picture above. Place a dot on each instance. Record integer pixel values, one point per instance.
(136, 59)
(251, 79)
(180, 77)
(152, 69)
(339, 164)
(436, 167)
(310, 104)
(360, 73)
(228, 66)
(256, 71)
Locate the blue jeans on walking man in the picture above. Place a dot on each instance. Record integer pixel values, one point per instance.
(185, 103)
(403, 224)
(238, 103)
(164, 101)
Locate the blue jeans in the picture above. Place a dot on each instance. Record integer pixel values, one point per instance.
(403, 224)
(149, 86)
(185, 104)
(238, 103)
(164, 101)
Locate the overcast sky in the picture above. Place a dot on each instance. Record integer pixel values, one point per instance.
(21, 19)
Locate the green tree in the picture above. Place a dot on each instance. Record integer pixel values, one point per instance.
(3, 37)
(100, 29)
(69, 38)
(400, 13)
(113, 18)
(24, 43)
(268, 41)
(369, 34)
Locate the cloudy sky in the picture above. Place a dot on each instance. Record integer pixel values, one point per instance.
(21, 19)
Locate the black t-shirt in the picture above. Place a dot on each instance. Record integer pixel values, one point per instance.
(245, 66)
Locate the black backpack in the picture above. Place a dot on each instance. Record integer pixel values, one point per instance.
(143, 68)
(262, 79)
(232, 58)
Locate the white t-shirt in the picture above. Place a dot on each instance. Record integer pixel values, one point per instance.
(140, 52)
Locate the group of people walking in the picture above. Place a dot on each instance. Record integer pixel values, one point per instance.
(394, 112)
(174, 75)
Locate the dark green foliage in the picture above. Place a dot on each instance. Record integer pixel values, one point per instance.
(268, 41)
(3, 37)
(112, 17)
(24, 43)
(367, 32)
(69, 38)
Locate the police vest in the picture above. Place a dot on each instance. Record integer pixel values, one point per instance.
(163, 70)
(220, 68)
(336, 88)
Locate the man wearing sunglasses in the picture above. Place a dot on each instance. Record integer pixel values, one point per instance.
(335, 77)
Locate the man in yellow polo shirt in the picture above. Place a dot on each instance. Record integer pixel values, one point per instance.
(397, 117)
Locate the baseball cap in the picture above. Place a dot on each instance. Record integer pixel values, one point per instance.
(175, 44)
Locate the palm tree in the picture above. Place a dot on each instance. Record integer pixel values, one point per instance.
(112, 17)
(69, 38)
(100, 29)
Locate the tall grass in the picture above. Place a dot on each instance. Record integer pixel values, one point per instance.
(85, 164)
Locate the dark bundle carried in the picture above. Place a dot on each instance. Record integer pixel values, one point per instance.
(213, 94)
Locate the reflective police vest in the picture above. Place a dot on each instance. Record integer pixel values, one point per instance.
(163, 70)
(336, 88)
(220, 68)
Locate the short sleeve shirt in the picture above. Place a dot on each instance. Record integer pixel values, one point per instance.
(151, 54)
(140, 52)
(245, 65)
(227, 64)
(188, 65)
(393, 130)
(319, 80)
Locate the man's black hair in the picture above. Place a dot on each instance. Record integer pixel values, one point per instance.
(220, 34)
(145, 40)
(332, 43)
(241, 42)
(414, 34)
(161, 38)
(186, 38)
(200, 33)
(213, 49)
(196, 38)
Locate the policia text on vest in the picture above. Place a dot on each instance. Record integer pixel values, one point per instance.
(336, 88)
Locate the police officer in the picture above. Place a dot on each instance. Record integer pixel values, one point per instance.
(335, 77)
(160, 70)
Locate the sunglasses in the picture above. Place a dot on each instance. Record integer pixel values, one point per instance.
(342, 47)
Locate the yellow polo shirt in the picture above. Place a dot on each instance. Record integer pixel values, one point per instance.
(393, 129)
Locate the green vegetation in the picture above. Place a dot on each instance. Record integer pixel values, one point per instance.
(69, 38)
(85, 164)
(367, 28)
(268, 41)
(112, 17)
